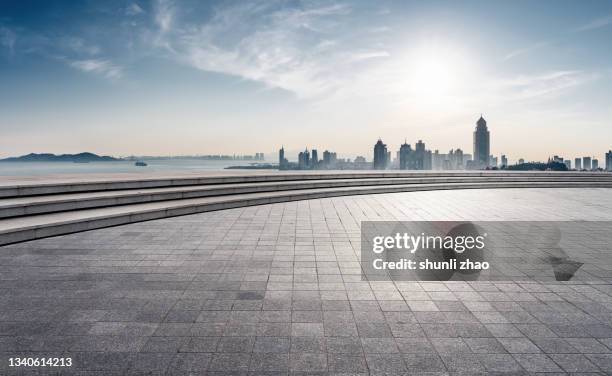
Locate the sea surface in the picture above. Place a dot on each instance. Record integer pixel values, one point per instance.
(154, 165)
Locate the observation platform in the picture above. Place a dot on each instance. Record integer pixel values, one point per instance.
(34, 208)
(276, 289)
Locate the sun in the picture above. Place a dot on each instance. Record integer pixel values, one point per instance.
(432, 77)
(433, 74)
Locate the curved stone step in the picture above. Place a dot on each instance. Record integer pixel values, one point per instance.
(23, 188)
(44, 225)
(29, 205)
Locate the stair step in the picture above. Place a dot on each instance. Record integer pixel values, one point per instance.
(29, 205)
(20, 188)
(51, 224)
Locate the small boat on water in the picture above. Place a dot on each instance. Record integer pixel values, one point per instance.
(140, 163)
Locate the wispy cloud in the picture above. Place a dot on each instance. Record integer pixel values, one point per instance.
(73, 51)
(77, 45)
(525, 50)
(597, 23)
(133, 9)
(545, 85)
(8, 38)
(299, 49)
(164, 14)
(102, 67)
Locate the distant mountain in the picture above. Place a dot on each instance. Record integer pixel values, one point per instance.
(48, 157)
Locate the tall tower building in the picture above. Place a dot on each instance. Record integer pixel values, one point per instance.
(459, 159)
(586, 163)
(609, 161)
(380, 155)
(405, 157)
(578, 164)
(304, 160)
(422, 156)
(481, 144)
(314, 160)
(282, 161)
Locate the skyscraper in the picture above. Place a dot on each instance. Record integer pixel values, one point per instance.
(481, 144)
(304, 160)
(282, 161)
(380, 155)
(578, 164)
(457, 163)
(586, 163)
(405, 157)
(422, 157)
(314, 160)
(504, 161)
(609, 161)
(329, 159)
(594, 164)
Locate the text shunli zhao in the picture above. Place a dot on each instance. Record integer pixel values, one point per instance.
(413, 244)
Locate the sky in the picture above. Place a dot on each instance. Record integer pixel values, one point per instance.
(170, 77)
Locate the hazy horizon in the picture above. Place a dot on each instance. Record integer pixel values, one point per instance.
(187, 77)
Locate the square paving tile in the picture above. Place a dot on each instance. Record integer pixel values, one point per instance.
(277, 290)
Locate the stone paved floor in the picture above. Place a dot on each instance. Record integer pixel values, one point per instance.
(277, 289)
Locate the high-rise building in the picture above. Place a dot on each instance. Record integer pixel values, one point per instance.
(609, 161)
(405, 156)
(568, 164)
(578, 164)
(504, 161)
(458, 162)
(282, 161)
(586, 163)
(329, 159)
(380, 155)
(314, 160)
(481, 144)
(492, 161)
(437, 160)
(422, 157)
(467, 159)
(304, 160)
(594, 164)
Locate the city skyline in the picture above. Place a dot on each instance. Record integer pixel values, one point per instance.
(177, 78)
(421, 158)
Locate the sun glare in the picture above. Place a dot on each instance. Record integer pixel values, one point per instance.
(433, 75)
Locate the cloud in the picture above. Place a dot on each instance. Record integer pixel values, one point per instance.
(597, 23)
(164, 14)
(101, 67)
(305, 50)
(133, 10)
(7, 38)
(545, 85)
(77, 45)
(592, 25)
(522, 51)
